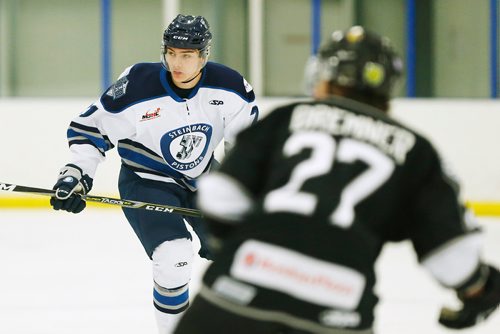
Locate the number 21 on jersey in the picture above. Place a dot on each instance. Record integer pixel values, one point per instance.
(325, 151)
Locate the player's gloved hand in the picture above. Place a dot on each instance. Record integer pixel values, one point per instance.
(476, 307)
(70, 183)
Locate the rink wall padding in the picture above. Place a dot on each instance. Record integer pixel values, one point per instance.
(33, 144)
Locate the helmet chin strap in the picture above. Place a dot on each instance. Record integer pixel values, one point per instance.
(187, 81)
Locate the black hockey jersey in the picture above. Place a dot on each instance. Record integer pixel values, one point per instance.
(313, 192)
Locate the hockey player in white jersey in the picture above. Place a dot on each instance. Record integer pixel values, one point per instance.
(165, 119)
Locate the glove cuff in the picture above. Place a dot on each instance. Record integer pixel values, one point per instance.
(70, 170)
(475, 283)
(86, 182)
(489, 293)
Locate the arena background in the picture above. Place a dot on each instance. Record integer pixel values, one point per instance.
(59, 272)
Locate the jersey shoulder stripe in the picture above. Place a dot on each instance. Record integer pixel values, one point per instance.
(219, 76)
(142, 83)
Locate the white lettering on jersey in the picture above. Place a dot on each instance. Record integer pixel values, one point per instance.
(391, 139)
(336, 318)
(238, 292)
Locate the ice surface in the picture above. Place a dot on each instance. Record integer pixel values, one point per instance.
(63, 273)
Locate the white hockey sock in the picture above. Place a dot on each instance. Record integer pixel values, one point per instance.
(166, 321)
(172, 262)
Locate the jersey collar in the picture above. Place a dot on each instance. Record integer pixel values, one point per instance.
(171, 92)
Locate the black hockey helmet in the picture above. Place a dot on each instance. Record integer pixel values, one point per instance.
(188, 32)
(359, 59)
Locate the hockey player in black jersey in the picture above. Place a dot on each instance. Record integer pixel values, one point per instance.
(302, 206)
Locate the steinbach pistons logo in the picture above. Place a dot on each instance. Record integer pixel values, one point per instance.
(185, 148)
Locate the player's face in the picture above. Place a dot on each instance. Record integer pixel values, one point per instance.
(184, 64)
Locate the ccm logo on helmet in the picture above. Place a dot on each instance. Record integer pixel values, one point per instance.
(184, 38)
(216, 102)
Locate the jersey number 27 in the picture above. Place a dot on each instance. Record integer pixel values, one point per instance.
(325, 150)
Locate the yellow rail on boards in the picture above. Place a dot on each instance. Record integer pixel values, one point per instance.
(479, 208)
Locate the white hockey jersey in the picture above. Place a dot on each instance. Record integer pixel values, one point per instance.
(158, 134)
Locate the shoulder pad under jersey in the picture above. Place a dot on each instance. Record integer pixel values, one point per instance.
(218, 76)
(140, 84)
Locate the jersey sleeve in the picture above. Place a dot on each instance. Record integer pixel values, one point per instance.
(244, 114)
(229, 193)
(249, 160)
(444, 233)
(98, 130)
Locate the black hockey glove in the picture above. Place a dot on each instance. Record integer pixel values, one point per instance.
(70, 184)
(477, 307)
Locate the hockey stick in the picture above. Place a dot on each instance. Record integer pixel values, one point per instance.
(106, 200)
